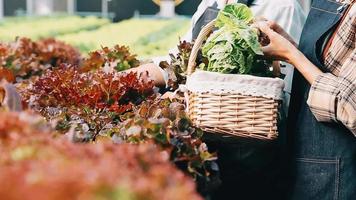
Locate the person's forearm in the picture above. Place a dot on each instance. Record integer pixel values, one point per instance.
(154, 73)
(280, 48)
(304, 66)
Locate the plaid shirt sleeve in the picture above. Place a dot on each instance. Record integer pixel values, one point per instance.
(332, 97)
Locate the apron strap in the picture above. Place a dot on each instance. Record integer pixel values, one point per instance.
(246, 2)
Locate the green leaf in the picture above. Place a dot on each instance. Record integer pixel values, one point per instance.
(234, 15)
(234, 47)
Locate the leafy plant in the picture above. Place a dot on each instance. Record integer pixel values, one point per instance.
(234, 47)
(66, 87)
(54, 53)
(177, 69)
(93, 103)
(25, 58)
(91, 99)
(99, 106)
(34, 164)
(6, 74)
(118, 58)
(167, 124)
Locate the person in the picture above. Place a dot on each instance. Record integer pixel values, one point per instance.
(322, 117)
(288, 13)
(248, 168)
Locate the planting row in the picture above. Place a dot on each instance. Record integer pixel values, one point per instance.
(95, 113)
(40, 27)
(146, 37)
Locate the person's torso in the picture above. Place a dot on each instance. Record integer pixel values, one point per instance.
(310, 137)
(323, 154)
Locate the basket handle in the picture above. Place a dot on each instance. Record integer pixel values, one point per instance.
(205, 31)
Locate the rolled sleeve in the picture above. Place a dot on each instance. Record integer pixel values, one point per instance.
(323, 97)
(333, 98)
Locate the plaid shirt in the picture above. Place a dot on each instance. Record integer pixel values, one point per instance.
(332, 97)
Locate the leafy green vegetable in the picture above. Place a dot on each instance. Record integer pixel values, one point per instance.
(234, 47)
(234, 15)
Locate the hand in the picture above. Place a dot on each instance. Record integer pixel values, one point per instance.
(282, 48)
(149, 71)
(276, 27)
(279, 47)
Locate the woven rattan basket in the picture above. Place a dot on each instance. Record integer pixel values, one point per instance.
(250, 114)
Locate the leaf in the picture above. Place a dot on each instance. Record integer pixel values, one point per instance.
(33, 159)
(237, 12)
(7, 75)
(118, 58)
(234, 47)
(167, 124)
(177, 69)
(25, 58)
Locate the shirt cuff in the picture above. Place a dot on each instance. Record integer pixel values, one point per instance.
(322, 98)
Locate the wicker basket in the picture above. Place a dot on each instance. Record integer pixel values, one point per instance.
(228, 112)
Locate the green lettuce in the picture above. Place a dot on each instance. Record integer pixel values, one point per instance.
(234, 47)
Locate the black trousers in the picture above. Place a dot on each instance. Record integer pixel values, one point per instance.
(251, 169)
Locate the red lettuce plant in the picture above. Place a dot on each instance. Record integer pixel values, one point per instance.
(167, 124)
(35, 165)
(53, 52)
(87, 101)
(67, 87)
(25, 58)
(94, 103)
(177, 68)
(122, 107)
(118, 58)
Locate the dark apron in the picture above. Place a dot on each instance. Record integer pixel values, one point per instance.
(247, 168)
(324, 154)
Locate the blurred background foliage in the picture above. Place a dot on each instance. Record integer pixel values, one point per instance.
(88, 25)
(145, 36)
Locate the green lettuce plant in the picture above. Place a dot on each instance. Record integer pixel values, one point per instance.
(234, 48)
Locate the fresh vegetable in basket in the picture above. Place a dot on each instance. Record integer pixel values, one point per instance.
(234, 47)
